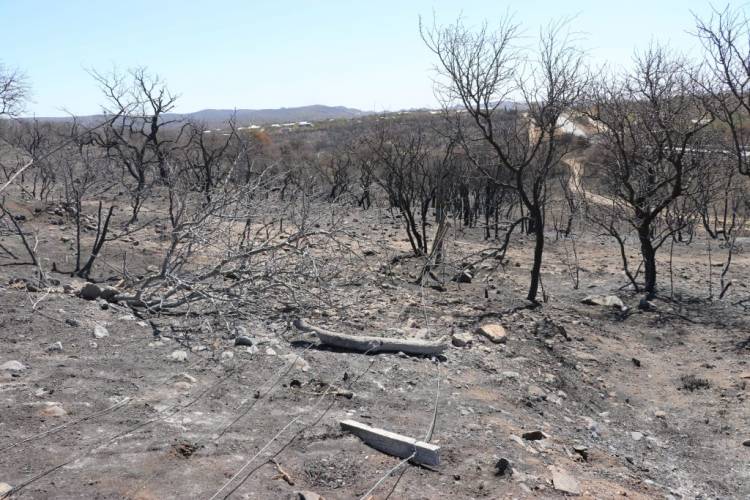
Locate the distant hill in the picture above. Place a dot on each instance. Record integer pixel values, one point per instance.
(216, 117)
(281, 115)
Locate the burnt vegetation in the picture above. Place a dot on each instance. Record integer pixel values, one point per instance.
(181, 222)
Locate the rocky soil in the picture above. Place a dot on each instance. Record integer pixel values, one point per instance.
(597, 400)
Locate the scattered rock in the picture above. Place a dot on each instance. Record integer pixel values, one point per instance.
(56, 347)
(511, 375)
(13, 366)
(746, 442)
(109, 293)
(636, 436)
(636, 362)
(502, 467)
(536, 393)
(72, 322)
(227, 355)
(244, 340)
(548, 328)
(494, 332)
(583, 451)
(90, 291)
(184, 377)
(461, 339)
(563, 481)
(660, 414)
(533, 435)
(299, 362)
(5, 488)
(605, 300)
(270, 352)
(100, 332)
(178, 356)
(53, 410)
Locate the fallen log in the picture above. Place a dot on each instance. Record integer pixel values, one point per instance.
(394, 444)
(366, 343)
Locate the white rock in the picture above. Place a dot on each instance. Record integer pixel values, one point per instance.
(605, 300)
(636, 436)
(100, 332)
(227, 355)
(5, 488)
(299, 362)
(184, 377)
(56, 347)
(253, 349)
(496, 333)
(179, 356)
(53, 409)
(13, 366)
(563, 481)
(270, 352)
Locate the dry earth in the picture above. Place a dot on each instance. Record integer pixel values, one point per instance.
(637, 404)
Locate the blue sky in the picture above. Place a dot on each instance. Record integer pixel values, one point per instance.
(250, 54)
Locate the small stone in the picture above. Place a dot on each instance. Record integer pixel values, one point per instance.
(109, 293)
(53, 410)
(227, 355)
(182, 386)
(461, 339)
(511, 375)
(13, 366)
(563, 481)
(90, 291)
(93, 345)
(100, 332)
(660, 414)
(72, 322)
(495, 333)
(582, 451)
(746, 442)
(606, 301)
(636, 436)
(56, 347)
(536, 393)
(299, 362)
(502, 467)
(184, 377)
(533, 435)
(253, 349)
(243, 340)
(270, 352)
(178, 356)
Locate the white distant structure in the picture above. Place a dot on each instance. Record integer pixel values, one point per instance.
(305, 124)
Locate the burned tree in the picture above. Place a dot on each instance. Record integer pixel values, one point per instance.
(482, 71)
(138, 103)
(653, 143)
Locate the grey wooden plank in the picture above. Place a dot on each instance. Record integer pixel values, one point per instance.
(394, 444)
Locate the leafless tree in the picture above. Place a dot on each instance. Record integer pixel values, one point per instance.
(138, 103)
(725, 36)
(482, 71)
(14, 91)
(653, 143)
